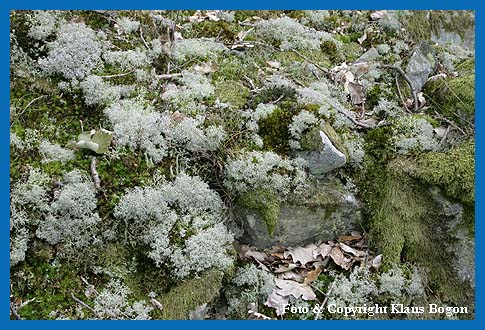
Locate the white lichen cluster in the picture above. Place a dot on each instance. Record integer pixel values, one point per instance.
(289, 34)
(354, 144)
(126, 25)
(96, 91)
(28, 202)
(74, 54)
(265, 170)
(261, 112)
(114, 303)
(250, 285)
(128, 60)
(43, 23)
(388, 109)
(140, 127)
(54, 152)
(72, 216)
(181, 222)
(197, 48)
(414, 133)
(300, 124)
(187, 96)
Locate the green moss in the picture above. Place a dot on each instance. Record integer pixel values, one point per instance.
(190, 294)
(232, 92)
(221, 30)
(274, 128)
(418, 25)
(408, 226)
(51, 287)
(453, 97)
(266, 203)
(319, 57)
(454, 171)
(330, 49)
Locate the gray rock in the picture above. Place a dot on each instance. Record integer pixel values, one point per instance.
(421, 65)
(371, 55)
(325, 158)
(326, 212)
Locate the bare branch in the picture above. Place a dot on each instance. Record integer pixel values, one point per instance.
(94, 173)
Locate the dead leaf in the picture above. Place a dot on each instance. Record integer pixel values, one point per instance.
(312, 276)
(291, 288)
(362, 38)
(349, 238)
(352, 251)
(339, 258)
(291, 275)
(258, 316)
(284, 269)
(277, 302)
(303, 255)
(322, 250)
(356, 92)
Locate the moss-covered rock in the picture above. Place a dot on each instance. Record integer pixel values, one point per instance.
(190, 294)
(266, 203)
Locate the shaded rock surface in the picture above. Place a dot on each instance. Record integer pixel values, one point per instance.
(332, 210)
(325, 158)
(421, 65)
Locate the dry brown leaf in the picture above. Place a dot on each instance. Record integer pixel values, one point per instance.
(291, 275)
(291, 288)
(348, 238)
(312, 276)
(339, 258)
(322, 250)
(350, 250)
(284, 269)
(303, 255)
(277, 302)
(356, 92)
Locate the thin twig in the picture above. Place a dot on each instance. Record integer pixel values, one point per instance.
(445, 135)
(118, 75)
(94, 173)
(327, 295)
(400, 95)
(143, 39)
(29, 104)
(168, 76)
(82, 303)
(405, 76)
(450, 122)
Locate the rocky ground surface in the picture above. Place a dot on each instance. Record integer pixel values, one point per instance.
(226, 164)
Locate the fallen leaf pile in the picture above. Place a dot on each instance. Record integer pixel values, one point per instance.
(296, 268)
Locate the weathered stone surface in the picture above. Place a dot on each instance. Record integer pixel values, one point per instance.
(421, 65)
(328, 210)
(324, 158)
(371, 55)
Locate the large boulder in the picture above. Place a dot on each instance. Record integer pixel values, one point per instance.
(327, 210)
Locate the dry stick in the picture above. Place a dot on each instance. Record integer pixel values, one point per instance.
(405, 76)
(29, 104)
(82, 303)
(445, 135)
(326, 298)
(168, 76)
(400, 95)
(118, 75)
(143, 39)
(94, 173)
(450, 122)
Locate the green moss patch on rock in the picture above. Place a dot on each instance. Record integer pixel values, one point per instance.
(190, 294)
(266, 203)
